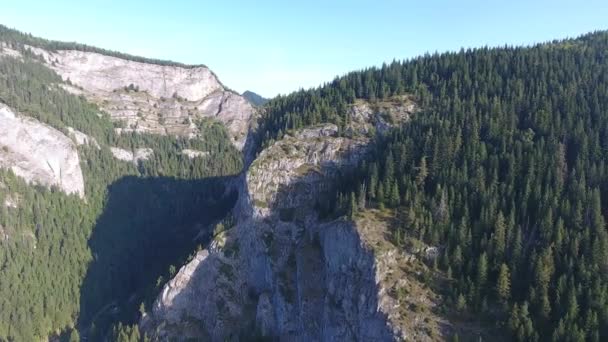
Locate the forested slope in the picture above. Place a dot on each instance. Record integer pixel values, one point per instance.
(70, 263)
(503, 169)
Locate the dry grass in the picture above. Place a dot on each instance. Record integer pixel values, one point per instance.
(415, 288)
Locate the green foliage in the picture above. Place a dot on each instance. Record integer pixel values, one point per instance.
(126, 333)
(503, 284)
(66, 262)
(31, 88)
(504, 168)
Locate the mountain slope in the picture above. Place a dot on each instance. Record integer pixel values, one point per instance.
(497, 184)
(145, 96)
(254, 98)
(38, 153)
(75, 262)
(452, 195)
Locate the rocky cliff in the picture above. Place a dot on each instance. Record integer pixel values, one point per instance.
(282, 271)
(140, 97)
(38, 153)
(145, 97)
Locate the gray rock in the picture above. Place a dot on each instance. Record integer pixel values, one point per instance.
(82, 139)
(39, 153)
(133, 157)
(161, 99)
(293, 278)
(194, 153)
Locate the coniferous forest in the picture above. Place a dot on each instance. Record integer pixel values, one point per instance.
(503, 168)
(69, 265)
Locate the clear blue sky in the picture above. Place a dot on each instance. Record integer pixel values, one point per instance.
(279, 46)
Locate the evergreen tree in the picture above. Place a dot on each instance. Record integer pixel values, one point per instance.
(482, 272)
(499, 238)
(422, 172)
(503, 284)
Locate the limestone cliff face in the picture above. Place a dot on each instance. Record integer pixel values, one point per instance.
(38, 153)
(281, 272)
(100, 73)
(158, 99)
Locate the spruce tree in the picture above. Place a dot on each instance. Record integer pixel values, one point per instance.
(503, 284)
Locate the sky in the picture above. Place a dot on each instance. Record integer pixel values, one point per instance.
(276, 47)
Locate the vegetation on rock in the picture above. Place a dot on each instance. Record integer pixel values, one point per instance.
(503, 170)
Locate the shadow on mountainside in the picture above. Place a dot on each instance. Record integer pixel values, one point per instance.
(332, 287)
(148, 225)
(305, 277)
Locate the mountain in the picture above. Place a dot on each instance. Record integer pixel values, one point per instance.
(254, 98)
(145, 96)
(452, 196)
(111, 165)
(456, 194)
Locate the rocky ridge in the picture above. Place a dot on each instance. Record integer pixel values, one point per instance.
(281, 270)
(150, 98)
(140, 97)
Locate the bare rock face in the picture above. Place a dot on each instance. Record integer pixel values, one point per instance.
(11, 201)
(280, 272)
(150, 98)
(99, 73)
(132, 156)
(194, 153)
(82, 139)
(307, 157)
(38, 153)
(380, 116)
(6, 50)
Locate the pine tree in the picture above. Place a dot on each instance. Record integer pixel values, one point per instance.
(503, 284)
(361, 200)
(422, 172)
(544, 270)
(498, 237)
(352, 208)
(482, 272)
(74, 336)
(394, 195)
(380, 195)
(461, 303)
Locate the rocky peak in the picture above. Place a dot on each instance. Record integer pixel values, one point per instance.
(281, 271)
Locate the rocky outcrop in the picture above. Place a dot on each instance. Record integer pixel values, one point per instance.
(82, 139)
(11, 201)
(151, 98)
(134, 157)
(38, 153)
(194, 153)
(6, 50)
(100, 73)
(305, 158)
(379, 116)
(281, 272)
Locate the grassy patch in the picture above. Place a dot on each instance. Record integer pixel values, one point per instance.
(260, 204)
